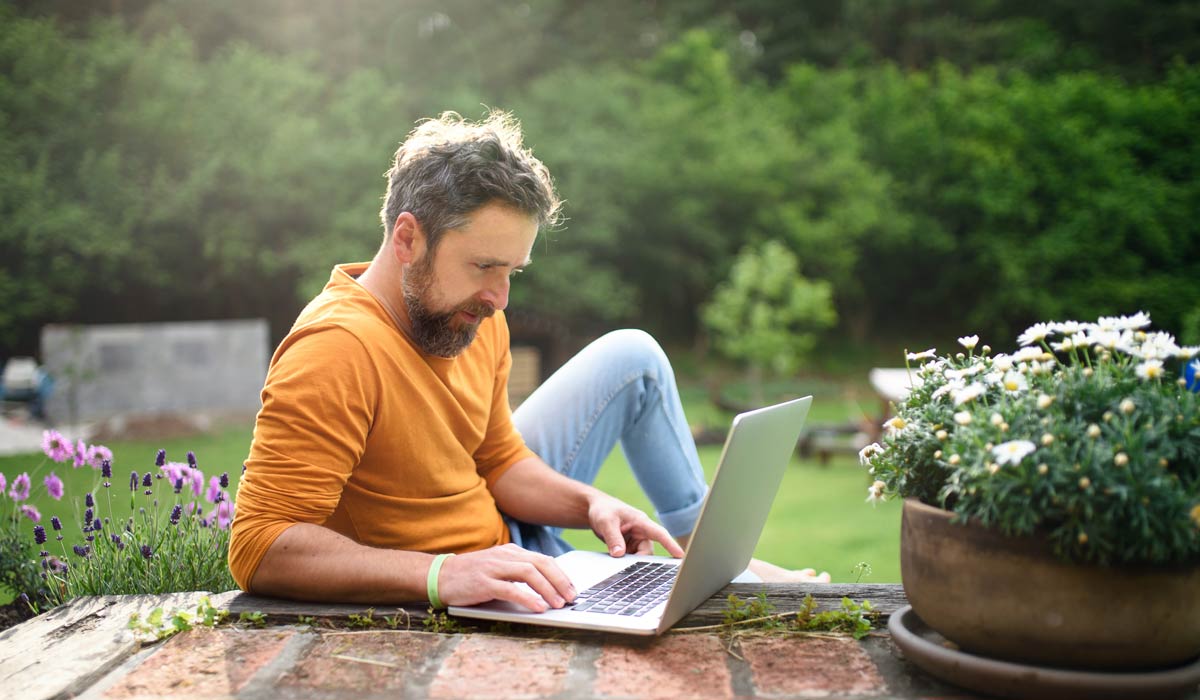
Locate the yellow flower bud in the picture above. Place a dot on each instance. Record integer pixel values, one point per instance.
(996, 419)
(1127, 406)
(1108, 416)
(1084, 483)
(937, 455)
(1043, 468)
(1047, 439)
(1093, 431)
(1004, 427)
(954, 459)
(1044, 401)
(941, 435)
(1083, 538)
(1162, 462)
(1121, 459)
(1196, 515)
(992, 467)
(1087, 371)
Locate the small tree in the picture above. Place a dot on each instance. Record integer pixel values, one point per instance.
(766, 314)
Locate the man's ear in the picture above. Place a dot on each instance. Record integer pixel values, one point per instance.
(408, 238)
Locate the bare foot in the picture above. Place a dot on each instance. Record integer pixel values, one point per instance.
(771, 573)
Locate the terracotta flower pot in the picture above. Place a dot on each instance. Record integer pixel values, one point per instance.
(1010, 598)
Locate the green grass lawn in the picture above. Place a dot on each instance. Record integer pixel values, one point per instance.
(820, 518)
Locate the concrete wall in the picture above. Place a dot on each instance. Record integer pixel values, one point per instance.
(155, 368)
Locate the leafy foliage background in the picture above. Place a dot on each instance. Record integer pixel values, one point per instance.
(938, 164)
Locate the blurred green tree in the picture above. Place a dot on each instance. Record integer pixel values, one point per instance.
(767, 315)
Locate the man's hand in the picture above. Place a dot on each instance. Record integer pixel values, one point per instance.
(624, 528)
(497, 574)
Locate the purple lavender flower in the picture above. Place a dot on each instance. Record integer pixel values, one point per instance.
(82, 550)
(225, 510)
(176, 513)
(55, 523)
(20, 487)
(224, 480)
(80, 455)
(116, 539)
(55, 446)
(147, 481)
(214, 490)
(106, 468)
(88, 515)
(191, 457)
(54, 486)
(146, 551)
(31, 512)
(96, 525)
(133, 481)
(89, 500)
(97, 455)
(179, 485)
(39, 534)
(161, 458)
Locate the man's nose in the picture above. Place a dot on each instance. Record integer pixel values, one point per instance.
(496, 294)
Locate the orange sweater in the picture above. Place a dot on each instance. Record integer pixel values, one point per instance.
(362, 433)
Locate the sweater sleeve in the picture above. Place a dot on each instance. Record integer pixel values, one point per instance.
(503, 445)
(309, 435)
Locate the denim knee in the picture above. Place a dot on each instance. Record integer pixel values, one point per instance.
(636, 350)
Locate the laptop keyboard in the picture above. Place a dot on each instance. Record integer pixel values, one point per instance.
(633, 591)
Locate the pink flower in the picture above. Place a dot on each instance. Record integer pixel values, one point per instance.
(96, 454)
(55, 446)
(184, 475)
(80, 454)
(3, 483)
(20, 488)
(214, 489)
(54, 486)
(225, 512)
(32, 513)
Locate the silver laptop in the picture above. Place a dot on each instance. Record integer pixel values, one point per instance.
(638, 594)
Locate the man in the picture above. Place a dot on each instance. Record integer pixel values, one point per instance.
(385, 439)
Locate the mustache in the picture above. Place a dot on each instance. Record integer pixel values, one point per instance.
(477, 309)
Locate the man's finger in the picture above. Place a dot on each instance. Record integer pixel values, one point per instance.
(515, 592)
(660, 535)
(609, 530)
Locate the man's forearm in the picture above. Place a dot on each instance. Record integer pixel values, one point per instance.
(310, 562)
(531, 491)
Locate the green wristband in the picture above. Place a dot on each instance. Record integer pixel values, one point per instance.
(431, 581)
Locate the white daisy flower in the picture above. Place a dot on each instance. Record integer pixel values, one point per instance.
(875, 492)
(1015, 382)
(866, 453)
(969, 341)
(1070, 327)
(1035, 333)
(1013, 451)
(1067, 344)
(1002, 362)
(1187, 351)
(1027, 354)
(924, 355)
(968, 393)
(1124, 323)
(894, 425)
(1150, 369)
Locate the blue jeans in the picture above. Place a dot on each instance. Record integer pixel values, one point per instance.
(618, 389)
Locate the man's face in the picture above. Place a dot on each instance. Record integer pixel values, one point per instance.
(466, 279)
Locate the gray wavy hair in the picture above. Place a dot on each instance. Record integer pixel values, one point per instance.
(449, 167)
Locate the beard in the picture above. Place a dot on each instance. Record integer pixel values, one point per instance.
(439, 333)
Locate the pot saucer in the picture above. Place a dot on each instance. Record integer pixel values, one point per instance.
(928, 649)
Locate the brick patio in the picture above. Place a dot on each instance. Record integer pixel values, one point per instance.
(85, 649)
